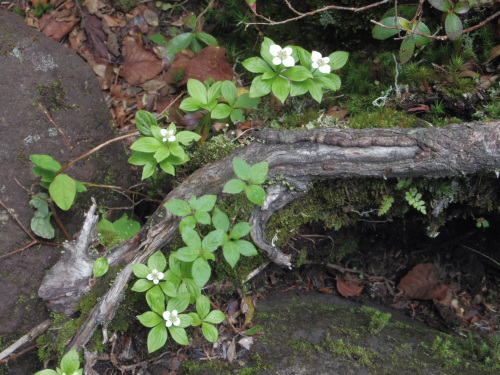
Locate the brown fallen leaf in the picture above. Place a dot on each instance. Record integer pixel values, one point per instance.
(140, 64)
(59, 23)
(210, 62)
(348, 289)
(96, 36)
(422, 282)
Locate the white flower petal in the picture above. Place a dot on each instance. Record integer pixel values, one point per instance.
(289, 61)
(156, 281)
(164, 139)
(164, 132)
(171, 138)
(325, 68)
(177, 322)
(276, 61)
(326, 60)
(315, 65)
(150, 277)
(288, 50)
(160, 275)
(274, 50)
(166, 315)
(168, 323)
(315, 56)
(170, 132)
(174, 313)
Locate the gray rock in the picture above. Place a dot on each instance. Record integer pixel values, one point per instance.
(35, 69)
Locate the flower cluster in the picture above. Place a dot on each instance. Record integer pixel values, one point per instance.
(284, 56)
(168, 135)
(155, 276)
(171, 318)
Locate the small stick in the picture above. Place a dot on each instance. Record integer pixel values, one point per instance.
(53, 123)
(32, 334)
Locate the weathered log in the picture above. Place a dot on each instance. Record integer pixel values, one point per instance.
(300, 157)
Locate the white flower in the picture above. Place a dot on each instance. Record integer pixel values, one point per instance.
(282, 55)
(171, 318)
(168, 135)
(155, 276)
(320, 62)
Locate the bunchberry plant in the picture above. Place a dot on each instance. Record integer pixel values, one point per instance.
(111, 234)
(170, 290)
(70, 365)
(159, 146)
(280, 75)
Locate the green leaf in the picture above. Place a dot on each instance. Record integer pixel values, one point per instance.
(168, 288)
(215, 316)
(214, 91)
(237, 115)
(461, 7)
(179, 42)
(299, 88)
(186, 137)
(326, 82)
(254, 330)
(406, 50)
(205, 203)
(70, 363)
(157, 261)
(142, 285)
(201, 271)
(231, 253)
(256, 65)
(146, 144)
(220, 220)
(197, 90)
(166, 167)
(156, 299)
(210, 332)
(141, 158)
(202, 217)
(158, 38)
(126, 228)
(304, 57)
(264, 52)
(140, 270)
(191, 238)
(234, 186)
(188, 221)
(453, 26)
(179, 303)
(258, 172)
(80, 188)
(195, 319)
(207, 39)
(281, 88)
(179, 335)
(195, 46)
(144, 120)
(229, 92)
(150, 319)
(176, 149)
(42, 227)
(186, 254)
(241, 169)
(338, 59)
(174, 266)
(63, 191)
(245, 101)
(240, 230)
(269, 75)
(45, 162)
(101, 266)
(442, 5)
(246, 248)
(157, 337)
(191, 105)
(39, 202)
(149, 169)
(46, 372)
(381, 33)
(178, 207)
(316, 90)
(297, 73)
(202, 306)
(419, 39)
(161, 154)
(193, 288)
(260, 87)
(256, 194)
(186, 320)
(212, 240)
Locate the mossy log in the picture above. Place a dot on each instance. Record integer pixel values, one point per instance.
(298, 157)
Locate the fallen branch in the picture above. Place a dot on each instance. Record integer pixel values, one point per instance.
(5, 356)
(299, 157)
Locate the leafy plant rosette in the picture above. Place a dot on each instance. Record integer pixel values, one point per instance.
(159, 146)
(282, 77)
(208, 98)
(70, 365)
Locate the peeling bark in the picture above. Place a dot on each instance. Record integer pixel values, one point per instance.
(300, 157)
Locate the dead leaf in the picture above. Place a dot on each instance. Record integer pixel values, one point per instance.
(337, 112)
(151, 17)
(348, 289)
(495, 52)
(231, 352)
(210, 62)
(246, 342)
(422, 282)
(59, 23)
(113, 21)
(487, 81)
(140, 64)
(153, 85)
(420, 107)
(96, 36)
(177, 68)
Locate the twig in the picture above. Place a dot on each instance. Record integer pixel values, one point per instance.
(198, 19)
(33, 333)
(53, 123)
(173, 101)
(58, 221)
(480, 253)
(302, 15)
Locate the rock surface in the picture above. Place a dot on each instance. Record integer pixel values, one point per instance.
(36, 69)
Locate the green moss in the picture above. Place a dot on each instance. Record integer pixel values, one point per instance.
(216, 148)
(383, 117)
(124, 5)
(378, 319)
(52, 97)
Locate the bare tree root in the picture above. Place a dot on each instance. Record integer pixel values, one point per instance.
(297, 157)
